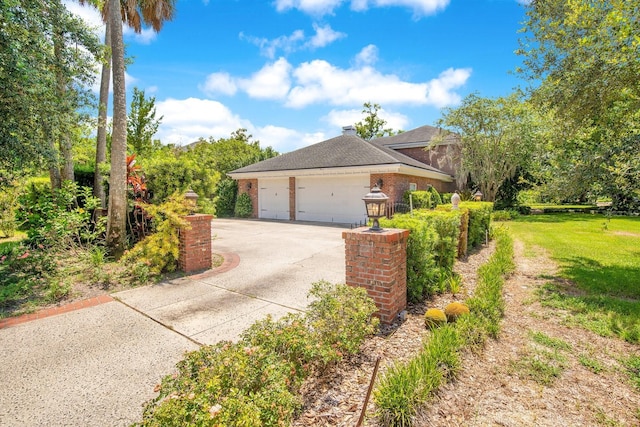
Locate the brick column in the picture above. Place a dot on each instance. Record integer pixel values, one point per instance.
(378, 263)
(195, 244)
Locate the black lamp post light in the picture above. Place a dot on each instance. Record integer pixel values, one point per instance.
(376, 203)
(478, 196)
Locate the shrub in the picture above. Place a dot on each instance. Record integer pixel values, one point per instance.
(60, 219)
(8, 205)
(422, 273)
(418, 199)
(454, 310)
(225, 384)
(479, 220)
(227, 190)
(256, 382)
(434, 317)
(341, 316)
(435, 196)
(447, 227)
(446, 198)
(244, 206)
(504, 215)
(160, 250)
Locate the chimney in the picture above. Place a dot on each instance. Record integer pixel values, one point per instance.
(349, 130)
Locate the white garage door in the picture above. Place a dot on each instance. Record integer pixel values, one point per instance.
(273, 198)
(332, 199)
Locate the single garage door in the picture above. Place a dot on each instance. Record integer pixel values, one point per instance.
(332, 199)
(273, 198)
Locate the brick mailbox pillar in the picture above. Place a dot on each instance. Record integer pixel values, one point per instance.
(377, 261)
(195, 244)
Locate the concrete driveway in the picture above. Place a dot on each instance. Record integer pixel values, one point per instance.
(278, 263)
(97, 366)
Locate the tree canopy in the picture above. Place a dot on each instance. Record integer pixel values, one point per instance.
(48, 58)
(372, 126)
(584, 58)
(142, 124)
(498, 136)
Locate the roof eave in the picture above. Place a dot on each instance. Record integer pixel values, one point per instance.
(348, 170)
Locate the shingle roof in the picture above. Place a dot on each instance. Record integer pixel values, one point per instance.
(341, 151)
(423, 134)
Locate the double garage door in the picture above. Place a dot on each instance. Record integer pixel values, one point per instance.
(323, 199)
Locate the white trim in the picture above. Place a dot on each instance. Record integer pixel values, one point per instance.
(351, 170)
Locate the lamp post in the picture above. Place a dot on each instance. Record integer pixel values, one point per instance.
(192, 198)
(477, 196)
(376, 204)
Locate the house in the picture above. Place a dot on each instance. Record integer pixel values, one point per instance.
(326, 181)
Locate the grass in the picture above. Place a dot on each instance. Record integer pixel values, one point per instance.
(600, 257)
(544, 362)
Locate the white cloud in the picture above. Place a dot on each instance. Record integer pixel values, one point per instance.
(319, 82)
(146, 36)
(284, 140)
(311, 7)
(367, 56)
(271, 82)
(323, 36)
(324, 7)
(219, 83)
(440, 91)
(269, 48)
(340, 118)
(186, 120)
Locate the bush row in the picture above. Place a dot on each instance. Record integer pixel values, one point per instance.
(424, 199)
(431, 249)
(407, 386)
(256, 381)
(479, 220)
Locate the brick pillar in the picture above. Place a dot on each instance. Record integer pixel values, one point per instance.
(195, 244)
(378, 263)
(292, 198)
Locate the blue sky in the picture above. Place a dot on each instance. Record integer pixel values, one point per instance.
(293, 72)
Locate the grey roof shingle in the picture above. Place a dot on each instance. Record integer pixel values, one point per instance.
(341, 151)
(423, 134)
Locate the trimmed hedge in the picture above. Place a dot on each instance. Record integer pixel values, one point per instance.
(419, 199)
(479, 220)
(421, 264)
(427, 199)
(431, 248)
(447, 227)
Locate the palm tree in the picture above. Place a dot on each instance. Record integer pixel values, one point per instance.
(154, 13)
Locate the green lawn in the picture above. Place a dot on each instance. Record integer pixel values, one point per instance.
(601, 256)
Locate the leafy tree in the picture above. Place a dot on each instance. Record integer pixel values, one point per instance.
(44, 78)
(142, 124)
(372, 125)
(497, 137)
(585, 54)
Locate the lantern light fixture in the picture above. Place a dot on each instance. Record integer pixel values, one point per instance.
(376, 204)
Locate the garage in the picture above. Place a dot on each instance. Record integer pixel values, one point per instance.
(273, 198)
(331, 199)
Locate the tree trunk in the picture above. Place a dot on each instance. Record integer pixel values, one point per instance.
(116, 225)
(101, 141)
(66, 149)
